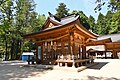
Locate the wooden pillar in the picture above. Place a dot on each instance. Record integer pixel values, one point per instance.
(73, 64)
(51, 50)
(57, 51)
(105, 55)
(69, 44)
(36, 53)
(83, 52)
(105, 51)
(72, 43)
(46, 50)
(62, 49)
(79, 51)
(114, 54)
(72, 48)
(55, 48)
(42, 50)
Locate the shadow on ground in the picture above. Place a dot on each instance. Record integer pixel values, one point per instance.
(101, 78)
(17, 72)
(93, 78)
(98, 65)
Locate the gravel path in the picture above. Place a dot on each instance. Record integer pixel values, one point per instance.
(106, 69)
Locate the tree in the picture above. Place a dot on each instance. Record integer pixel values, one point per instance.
(114, 5)
(40, 20)
(62, 11)
(36, 25)
(25, 22)
(113, 24)
(92, 24)
(83, 18)
(109, 21)
(17, 17)
(101, 25)
(6, 14)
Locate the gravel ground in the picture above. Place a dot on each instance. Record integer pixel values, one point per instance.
(106, 69)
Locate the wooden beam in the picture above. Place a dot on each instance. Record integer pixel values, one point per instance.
(89, 40)
(79, 35)
(78, 41)
(99, 42)
(85, 31)
(47, 40)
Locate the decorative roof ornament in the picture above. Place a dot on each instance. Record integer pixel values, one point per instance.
(53, 16)
(50, 14)
(76, 14)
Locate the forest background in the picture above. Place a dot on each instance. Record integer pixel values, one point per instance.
(18, 17)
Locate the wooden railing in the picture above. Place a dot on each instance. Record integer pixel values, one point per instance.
(73, 59)
(67, 57)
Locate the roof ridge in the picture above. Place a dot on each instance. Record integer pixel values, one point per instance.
(72, 15)
(110, 34)
(54, 20)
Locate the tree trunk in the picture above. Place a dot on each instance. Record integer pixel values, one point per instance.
(6, 50)
(12, 49)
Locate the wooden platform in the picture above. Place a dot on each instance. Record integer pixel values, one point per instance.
(75, 63)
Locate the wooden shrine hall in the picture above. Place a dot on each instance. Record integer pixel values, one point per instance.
(110, 43)
(62, 41)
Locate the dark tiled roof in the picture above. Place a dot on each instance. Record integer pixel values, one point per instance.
(114, 37)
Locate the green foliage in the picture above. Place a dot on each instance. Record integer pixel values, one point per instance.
(107, 24)
(17, 17)
(40, 21)
(114, 27)
(114, 5)
(83, 18)
(101, 24)
(6, 9)
(114, 22)
(92, 24)
(62, 11)
(104, 24)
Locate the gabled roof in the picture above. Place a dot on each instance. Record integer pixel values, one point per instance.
(114, 37)
(60, 23)
(99, 42)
